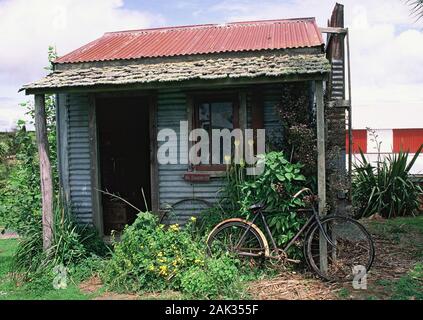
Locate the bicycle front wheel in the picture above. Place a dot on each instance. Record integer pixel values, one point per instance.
(238, 237)
(349, 252)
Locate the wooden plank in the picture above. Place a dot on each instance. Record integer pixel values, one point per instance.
(321, 168)
(243, 111)
(333, 30)
(257, 109)
(154, 168)
(45, 170)
(95, 165)
(62, 146)
(340, 103)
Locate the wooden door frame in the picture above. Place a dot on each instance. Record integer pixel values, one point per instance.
(97, 208)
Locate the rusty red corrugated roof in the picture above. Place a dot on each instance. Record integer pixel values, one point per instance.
(199, 39)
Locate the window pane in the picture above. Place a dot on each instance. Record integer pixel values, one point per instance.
(204, 116)
(222, 115)
(222, 118)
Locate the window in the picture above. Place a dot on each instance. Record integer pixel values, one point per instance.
(218, 112)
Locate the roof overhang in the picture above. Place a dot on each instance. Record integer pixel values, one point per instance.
(220, 70)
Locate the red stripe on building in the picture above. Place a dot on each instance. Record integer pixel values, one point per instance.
(408, 140)
(359, 141)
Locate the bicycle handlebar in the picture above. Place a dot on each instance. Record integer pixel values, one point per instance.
(302, 191)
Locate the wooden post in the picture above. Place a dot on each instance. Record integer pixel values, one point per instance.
(321, 168)
(45, 170)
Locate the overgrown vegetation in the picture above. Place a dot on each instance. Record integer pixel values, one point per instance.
(20, 195)
(275, 188)
(152, 257)
(386, 187)
(299, 128)
(76, 248)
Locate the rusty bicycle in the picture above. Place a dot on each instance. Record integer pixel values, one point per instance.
(334, 247)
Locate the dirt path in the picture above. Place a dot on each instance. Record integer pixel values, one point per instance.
(396, 254)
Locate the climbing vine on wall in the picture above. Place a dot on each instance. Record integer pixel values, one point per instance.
(298, 126)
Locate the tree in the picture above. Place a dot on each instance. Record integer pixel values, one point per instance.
(416, 8)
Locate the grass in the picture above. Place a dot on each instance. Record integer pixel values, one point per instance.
(408, 287)
(405, 231)
(10, 291)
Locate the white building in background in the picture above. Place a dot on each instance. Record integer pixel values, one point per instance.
(388, 141)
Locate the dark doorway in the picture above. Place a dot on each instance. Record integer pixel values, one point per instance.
(124, 149)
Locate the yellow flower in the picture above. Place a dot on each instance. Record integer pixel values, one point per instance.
(163, 270)
(227, 159)
(241, 163)
(193, 219)
(151, 268)
(160, 254)
(198, 261)
(175, 263)
(174, 227)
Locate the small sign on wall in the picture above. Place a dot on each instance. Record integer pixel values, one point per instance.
(196, 177)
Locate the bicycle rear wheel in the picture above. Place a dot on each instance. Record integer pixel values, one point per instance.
(352, 250)
(226, 238)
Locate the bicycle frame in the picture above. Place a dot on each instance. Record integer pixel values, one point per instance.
(314, 217)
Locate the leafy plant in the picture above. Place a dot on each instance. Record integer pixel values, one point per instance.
(274, 187)
(20, 197)
(72, 244)
(152, 257)
(298, 126)
(416, 8)
(214, 280)
(386, 187)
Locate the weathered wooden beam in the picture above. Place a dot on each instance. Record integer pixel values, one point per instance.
(45, 170)
(321, 168)
(243, 110)
(346, 104)
(333, 30)
(95, 165)
(154, 166)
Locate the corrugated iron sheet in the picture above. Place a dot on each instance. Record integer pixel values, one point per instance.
(359, 141)
(200, 39)
(408, 140)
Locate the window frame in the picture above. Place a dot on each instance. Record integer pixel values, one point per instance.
(213, 98)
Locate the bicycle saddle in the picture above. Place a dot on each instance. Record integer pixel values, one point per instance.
(257, 207)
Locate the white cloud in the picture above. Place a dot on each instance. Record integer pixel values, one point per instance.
(386, 44)
(386, 53)
(28, 27)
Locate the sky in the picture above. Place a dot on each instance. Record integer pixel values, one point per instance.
(386, 44)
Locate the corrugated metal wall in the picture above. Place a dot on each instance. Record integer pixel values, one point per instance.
(75, 162)
(171, 109)
(337, 79)
(272, 123)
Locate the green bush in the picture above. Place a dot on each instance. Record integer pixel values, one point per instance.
(274, 187)
(152, 257)
(214, 280)
(385, 188)
(72, 245)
